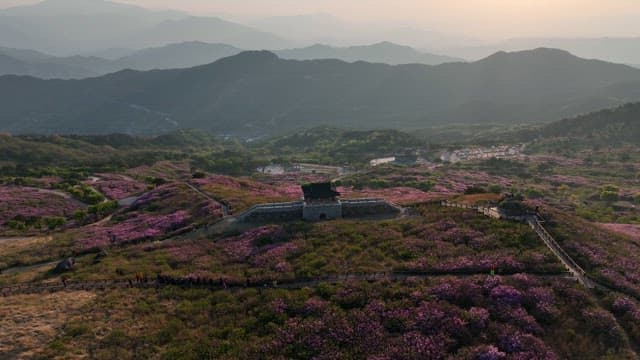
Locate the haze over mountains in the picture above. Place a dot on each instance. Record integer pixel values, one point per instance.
(384, 52)
(182, 55)
(258, 93)
(618, 50)
(69, 27)
(204, 79)
(106, 29)
(189, 54)
(327, 29)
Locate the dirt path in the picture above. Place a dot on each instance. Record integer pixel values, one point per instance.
(17, 239)
(211, 284)
(12, 244)
(225, 207)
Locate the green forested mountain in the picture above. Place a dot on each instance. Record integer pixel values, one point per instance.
(258, 93)
(189, 54)
(607, 127)
(333, 145)
(33, 153)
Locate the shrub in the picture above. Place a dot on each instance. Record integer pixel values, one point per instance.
(76, 330)
(116, 338)
(103, 208)
(16, 225)
(495, 189)
(85, 193)
(80, 215)
(54, 222)
(475, 190)
(609, 193)
(426, 186)
(533, 193)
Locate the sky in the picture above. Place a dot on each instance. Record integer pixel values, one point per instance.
(488, 18)
(478, 18)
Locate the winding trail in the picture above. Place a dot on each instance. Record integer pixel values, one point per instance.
(213, 285)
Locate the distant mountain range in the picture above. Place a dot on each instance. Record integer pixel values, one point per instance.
(64, 27)
(258, 93)
(327, 29)
(189, 54)
(384, 52)
(618, 50)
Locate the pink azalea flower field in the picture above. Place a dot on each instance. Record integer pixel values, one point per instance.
(155, 214)
(631, 230)
(609, 252)
(242, 193)
(18, 202)
(507, 320)
(162, 169)
(117, 186)
(138, 226)
(398, 195)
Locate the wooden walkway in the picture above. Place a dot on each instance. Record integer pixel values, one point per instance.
(536, 224)
(558, 251)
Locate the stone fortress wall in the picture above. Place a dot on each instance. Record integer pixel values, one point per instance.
(293, 211)
(290, 211)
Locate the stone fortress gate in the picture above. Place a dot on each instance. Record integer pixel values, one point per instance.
(321, 202)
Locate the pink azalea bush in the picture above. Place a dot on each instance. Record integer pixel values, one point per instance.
(631, 230)
(627, 311)
(165, 209)
(459, 181)
(137, 227)
(264, 247)
(472, 264)
(624, 305)
(398, 195)
(476, 318)
(117, 186)
(242, 193)
(18, 202)
(174, 196)
(188, 251)
(610, 258)
(47, 182)
(554, 159)
(162, 169)
(569, 180)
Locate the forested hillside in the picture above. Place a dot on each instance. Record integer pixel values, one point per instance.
(257, 93)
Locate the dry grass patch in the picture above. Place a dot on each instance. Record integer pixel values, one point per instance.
(18, 244)
(29, 322)
(476, 199)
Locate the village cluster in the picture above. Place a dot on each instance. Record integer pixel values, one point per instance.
(483, 153)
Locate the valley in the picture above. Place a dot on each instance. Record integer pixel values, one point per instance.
(319, 180)
(171, 247)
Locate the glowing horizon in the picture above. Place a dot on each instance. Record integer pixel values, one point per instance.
(478, 18)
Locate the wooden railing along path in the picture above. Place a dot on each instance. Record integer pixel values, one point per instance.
(536, 224)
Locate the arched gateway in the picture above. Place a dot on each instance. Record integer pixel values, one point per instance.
(321, 202)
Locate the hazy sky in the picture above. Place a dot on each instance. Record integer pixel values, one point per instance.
(478, 18)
